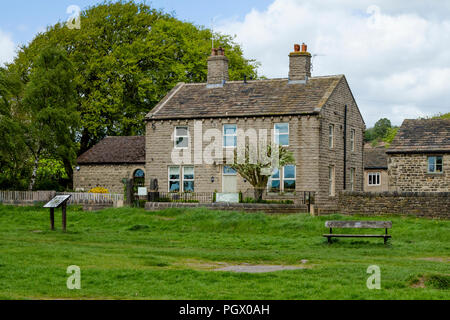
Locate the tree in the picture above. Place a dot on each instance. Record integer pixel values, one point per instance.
(381, 128)
(379, 132)
(256, 174)
(49, 101)
(442, 116)
(390, 135)
(126, 57)
(14, 164)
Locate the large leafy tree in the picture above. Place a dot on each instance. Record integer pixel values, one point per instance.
(126, 57)
(49, 102)
(14, 164)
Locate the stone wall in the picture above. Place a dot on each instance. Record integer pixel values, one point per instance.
(409, 172)
(105, 176)
(246, 207)
(422, 204)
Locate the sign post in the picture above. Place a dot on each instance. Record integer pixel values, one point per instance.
(57, 202)
(52, 218)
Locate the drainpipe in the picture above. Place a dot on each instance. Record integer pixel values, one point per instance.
(345, 148)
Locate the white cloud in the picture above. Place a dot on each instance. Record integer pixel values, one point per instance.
(7, 48)
(395, 54)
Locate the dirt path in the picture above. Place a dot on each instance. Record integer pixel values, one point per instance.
(258, 268)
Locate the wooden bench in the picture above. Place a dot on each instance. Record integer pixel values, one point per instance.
(358, 225)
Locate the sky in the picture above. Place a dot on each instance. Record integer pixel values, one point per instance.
(394, 54)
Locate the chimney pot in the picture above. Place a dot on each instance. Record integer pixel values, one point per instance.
(296, 48)
(304, 48)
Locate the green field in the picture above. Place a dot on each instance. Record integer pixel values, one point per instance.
(134, 254)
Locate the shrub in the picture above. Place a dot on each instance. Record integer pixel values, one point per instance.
(98, 190)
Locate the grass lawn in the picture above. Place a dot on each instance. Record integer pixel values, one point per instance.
(133, 254)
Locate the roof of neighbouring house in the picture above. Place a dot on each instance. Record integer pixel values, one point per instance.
(375, 158)
(422, 135)
(238, 99)
(115, 150)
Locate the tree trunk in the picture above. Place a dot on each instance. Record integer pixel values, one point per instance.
(84, 141)
(259, 194)
(69, 171)
(34, 174)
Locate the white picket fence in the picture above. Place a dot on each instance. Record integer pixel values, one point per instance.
(44, 196)
(92, 198)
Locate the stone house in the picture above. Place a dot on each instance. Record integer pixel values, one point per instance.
(419, 156)
(109, 162)
(317, 118)
(375, 169)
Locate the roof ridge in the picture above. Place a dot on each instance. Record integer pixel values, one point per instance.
(264, 80)
(123, 136)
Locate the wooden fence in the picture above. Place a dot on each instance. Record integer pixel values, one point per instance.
(200, 197)
(92, 198)
(38, 196)
(44, 196)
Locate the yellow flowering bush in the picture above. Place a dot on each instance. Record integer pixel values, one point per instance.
(99, 190)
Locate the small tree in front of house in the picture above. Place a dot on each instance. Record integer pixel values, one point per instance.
(258, 172)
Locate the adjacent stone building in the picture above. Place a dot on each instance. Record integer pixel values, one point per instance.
(419, 156)
(317, 118)
(375, 169)
(109, 162)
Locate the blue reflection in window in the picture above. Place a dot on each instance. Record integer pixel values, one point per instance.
(229, 170)
(289, 172)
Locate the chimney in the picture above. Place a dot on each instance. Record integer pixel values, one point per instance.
(299, 64)
(217, 68)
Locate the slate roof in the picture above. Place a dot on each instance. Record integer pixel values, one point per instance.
(375, 158)
(115, 150)
(422, 135)
(237, 99)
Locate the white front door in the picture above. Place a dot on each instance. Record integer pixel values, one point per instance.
(229, 180)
